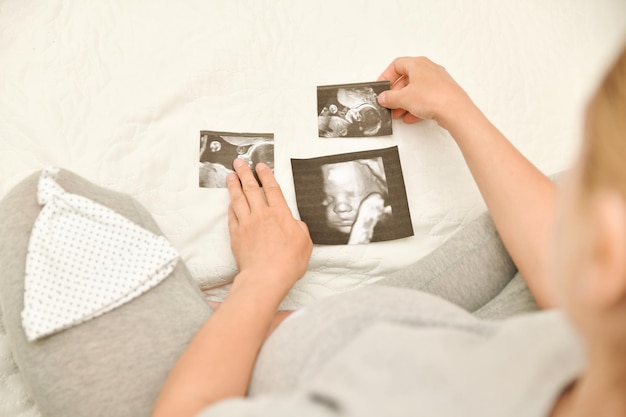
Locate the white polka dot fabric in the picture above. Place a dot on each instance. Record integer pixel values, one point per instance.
(84, 260)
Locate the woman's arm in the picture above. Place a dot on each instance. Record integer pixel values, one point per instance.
(272, 250)
(521, 200)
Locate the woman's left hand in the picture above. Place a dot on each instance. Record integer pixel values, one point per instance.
(267, 241)
(272, 250)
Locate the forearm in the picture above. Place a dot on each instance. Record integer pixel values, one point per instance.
(521, 200)
(218, 362)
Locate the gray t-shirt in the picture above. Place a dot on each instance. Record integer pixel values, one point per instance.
(383, 351)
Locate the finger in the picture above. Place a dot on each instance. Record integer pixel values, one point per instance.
(304, 228)
(238, 202)
(409, 118)
(233, 221)
(400, 83)
(398, 113)
(395, 70)
(249, 185)
(273, 193)
(392, 99)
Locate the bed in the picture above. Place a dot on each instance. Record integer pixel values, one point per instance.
(118, 91)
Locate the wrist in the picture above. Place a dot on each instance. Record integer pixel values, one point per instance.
(456, 111)
(265, 286)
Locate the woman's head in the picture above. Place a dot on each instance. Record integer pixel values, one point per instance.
(591, 243)
(602, 164)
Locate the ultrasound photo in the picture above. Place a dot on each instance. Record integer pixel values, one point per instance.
(218, 150)
(352, 110)
(353, 198)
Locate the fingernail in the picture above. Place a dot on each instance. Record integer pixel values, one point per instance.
(381, 98)
(231, 177)
(238, 162)
(261, 166)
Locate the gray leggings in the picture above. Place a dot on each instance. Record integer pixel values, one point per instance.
(473, 270)
(114, 365)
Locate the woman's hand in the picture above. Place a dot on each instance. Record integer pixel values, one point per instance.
(421, 89)
(272, 250)
(521, 200)
(266, 240)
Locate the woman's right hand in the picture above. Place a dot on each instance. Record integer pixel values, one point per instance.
(520, 198)
(422, 89)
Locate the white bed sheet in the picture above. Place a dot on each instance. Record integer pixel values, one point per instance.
(118, 91)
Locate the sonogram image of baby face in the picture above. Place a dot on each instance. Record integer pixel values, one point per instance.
(346, 185)
(353, 198)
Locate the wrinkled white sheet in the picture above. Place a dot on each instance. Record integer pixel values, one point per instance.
(118, 91)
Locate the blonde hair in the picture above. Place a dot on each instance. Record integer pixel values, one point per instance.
(604, 158)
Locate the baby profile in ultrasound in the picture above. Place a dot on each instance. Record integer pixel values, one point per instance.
(352, 110)
(352, 198)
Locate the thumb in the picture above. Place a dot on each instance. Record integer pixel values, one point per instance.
(392, 99)
(304, 227)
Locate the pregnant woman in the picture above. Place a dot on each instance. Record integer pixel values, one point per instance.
(389, 349)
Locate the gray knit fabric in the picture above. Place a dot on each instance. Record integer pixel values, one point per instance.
(472, 270)
(384, 351)
(113, 365)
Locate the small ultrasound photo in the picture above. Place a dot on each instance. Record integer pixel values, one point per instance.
(353, 198)
(352, 110)
(218, 150)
